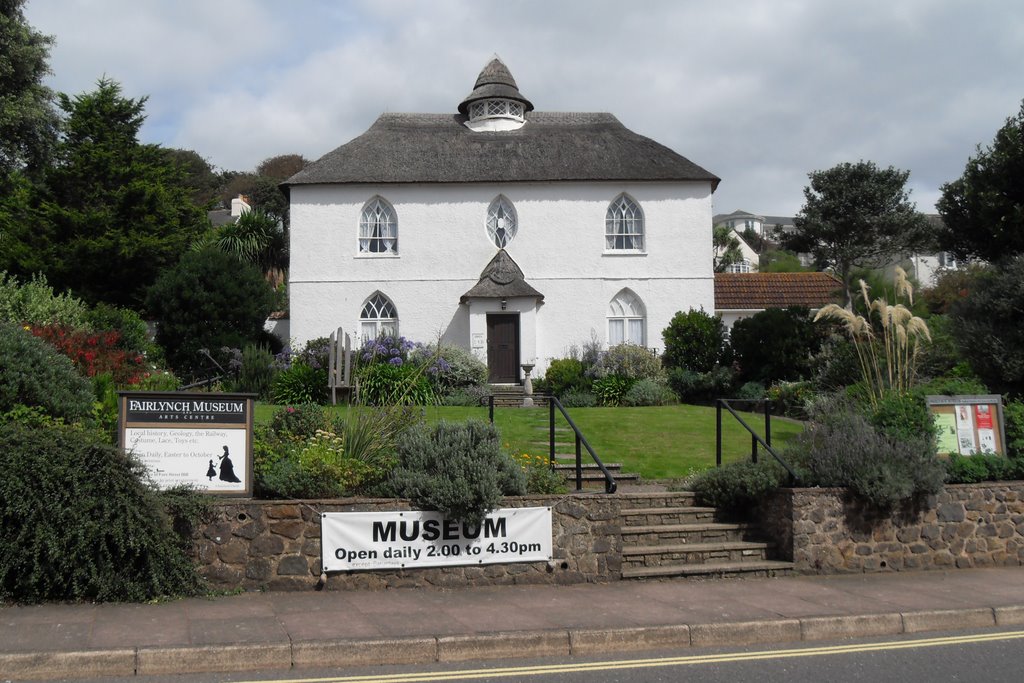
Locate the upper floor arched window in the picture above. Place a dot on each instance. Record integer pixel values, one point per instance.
(378, 228)
(624, 225)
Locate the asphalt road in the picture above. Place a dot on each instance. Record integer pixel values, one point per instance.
(990, 655)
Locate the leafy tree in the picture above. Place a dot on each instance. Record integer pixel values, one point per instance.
(780, 261)
(198, 176)
(28, 120)
(208, 300)
(775, 344)
(695, 341)
(988, 324)
(113, 212)
(983, 210)
(282, 167)
(727, 248)
(856, 215)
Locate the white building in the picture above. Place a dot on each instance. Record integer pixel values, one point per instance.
(506, 231)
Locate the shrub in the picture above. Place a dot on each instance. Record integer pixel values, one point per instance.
(701, 387)
(564, 375)
(775, 344)
(95, 353)
(961, 469)
(300, 383)
(133, 335)
(611, 389)
(578, 399)
(318, 468)
(208, 300)
(386, 384)
(33, 373)
(953, 386)
(459, 470)
(835, 365)
(738, 486)
(695, 341)
(462, 368)
(649, 392)
(627, 361)
(841, 448)
(751, 391)
(903, 416)
(790, 398)
(540, 478)
(1013, 421)
(302, 421)
(35, 303)
(465, 396)
(77, 523)
(255, 371)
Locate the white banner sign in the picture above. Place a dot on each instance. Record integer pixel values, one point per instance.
(393, 540)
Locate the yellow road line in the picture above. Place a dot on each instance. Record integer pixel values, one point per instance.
(660, 662)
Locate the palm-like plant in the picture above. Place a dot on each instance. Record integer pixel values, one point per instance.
(256, 237)
(887, 341)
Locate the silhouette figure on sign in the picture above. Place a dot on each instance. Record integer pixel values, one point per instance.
(211, 472)
(227, 470)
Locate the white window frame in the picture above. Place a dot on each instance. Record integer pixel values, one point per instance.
(502, 222)
(378, 317)
(498, 108)
(378, 228)
(624, 226)
(741, 266)
(627, 319)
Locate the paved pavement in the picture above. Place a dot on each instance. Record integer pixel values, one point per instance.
(409, 626)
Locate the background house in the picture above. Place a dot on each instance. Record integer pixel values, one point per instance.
(741, 295)
(509, 232)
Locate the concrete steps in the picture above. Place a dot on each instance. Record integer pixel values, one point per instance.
(592, 476)
(667, 535)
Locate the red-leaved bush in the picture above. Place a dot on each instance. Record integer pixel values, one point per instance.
(94, 353)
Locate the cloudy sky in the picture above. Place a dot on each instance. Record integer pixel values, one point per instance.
(760, 92)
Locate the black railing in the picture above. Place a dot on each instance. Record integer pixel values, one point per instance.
(211, 378)
(581, 441)
(755, 438)
(489, 401)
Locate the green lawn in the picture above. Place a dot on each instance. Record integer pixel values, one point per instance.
(656, 443)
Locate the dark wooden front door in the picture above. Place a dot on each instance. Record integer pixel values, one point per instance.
(503, 348)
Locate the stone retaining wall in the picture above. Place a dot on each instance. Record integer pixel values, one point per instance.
(823, 531)
(276, 545)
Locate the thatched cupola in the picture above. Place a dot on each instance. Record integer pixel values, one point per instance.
(495, 103)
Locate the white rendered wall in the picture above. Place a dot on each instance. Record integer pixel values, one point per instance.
(443, 246)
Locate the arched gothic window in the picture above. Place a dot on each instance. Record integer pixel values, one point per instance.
(502, 222)
(624, 225)
(627, 317)
(378, 228)
(379, 318)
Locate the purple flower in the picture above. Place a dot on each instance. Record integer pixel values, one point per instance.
(395, 361)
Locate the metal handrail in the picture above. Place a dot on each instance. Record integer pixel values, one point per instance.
(755, 439)
(609, 481)
(489, 398)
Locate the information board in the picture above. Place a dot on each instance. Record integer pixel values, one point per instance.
(969, 424)
(199, 439)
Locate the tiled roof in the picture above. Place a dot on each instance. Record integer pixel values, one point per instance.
(755, 291)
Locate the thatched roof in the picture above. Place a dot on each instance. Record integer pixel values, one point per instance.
(501, 279)
(438, 148)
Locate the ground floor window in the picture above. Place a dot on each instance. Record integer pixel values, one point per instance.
(379, 318)
(627, 319)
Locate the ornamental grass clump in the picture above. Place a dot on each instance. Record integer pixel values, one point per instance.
(887, 341)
